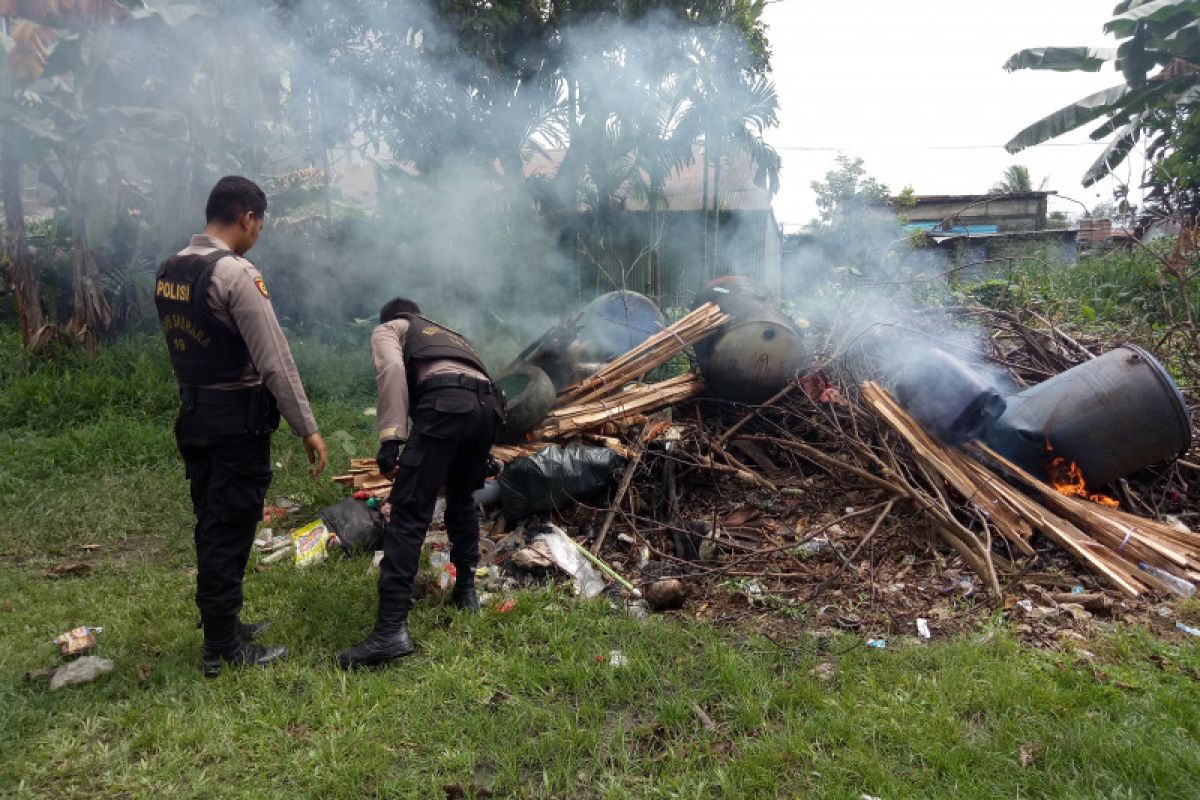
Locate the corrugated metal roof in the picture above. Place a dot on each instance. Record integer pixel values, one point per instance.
(684, 189)
(972, 198)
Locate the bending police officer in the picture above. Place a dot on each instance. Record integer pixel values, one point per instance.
(236, 377)
(456, 413)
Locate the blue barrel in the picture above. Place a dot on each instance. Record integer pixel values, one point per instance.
(615, 323)
(609, 326)
(1112, 416)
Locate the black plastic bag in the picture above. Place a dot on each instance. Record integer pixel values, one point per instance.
(556, 477)
(359, 528)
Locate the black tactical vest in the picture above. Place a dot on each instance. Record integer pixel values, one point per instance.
(203, 350)
(427, 340)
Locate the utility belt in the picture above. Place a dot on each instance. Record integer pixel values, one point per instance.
(481, 388)
(255, 405)
(459, 380)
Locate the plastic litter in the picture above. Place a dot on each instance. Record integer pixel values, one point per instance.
(1188, 629)
(311, 543)
(638, 608)
(506, 605)
(923, 628)
(878, 644)
(489, 494)
(358, 526)
(588, 582)
(556, 477)
(82, 670)
(1177, 585)
(77, 641)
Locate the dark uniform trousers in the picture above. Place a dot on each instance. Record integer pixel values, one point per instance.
(225, 440)
(453, 429)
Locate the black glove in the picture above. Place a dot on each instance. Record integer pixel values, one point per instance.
(492, 467)
(388, 456)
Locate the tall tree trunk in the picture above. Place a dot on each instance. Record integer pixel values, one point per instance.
(716, 207)
(91, 316)
(25, 283)
(704, 212)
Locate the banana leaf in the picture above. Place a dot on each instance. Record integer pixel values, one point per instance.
(1156, 11)
(1060, 59)
(1116, 152)
(1148, 97)
(1069, 118)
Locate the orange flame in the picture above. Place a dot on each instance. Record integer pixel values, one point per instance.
(1067, 478)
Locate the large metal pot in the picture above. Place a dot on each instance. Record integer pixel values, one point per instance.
(757, 351)
(1112, 416)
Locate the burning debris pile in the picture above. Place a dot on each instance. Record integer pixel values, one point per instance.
(828, 487)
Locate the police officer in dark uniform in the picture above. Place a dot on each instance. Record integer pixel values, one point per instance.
(456, 413)
(236, 376)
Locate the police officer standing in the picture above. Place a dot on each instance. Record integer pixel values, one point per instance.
(456, 413)
(236, 376)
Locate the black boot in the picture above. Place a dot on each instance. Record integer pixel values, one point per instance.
(247, 631)
(388, 641)
(464, 598)
(224, 645)
(250, 631)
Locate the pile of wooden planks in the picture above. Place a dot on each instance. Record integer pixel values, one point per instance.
(363, 474)
(1112, 543)
(634, 402)
(654, 352)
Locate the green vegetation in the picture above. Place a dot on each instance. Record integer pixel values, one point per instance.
(524, 704)
(1153, 109)
(1121, 294)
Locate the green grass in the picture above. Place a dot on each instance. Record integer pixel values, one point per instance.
(524, 704)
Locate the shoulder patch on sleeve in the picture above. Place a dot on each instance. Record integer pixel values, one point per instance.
(262, 287)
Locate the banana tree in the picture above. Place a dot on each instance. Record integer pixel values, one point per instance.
(29, 73)
(1159, 59)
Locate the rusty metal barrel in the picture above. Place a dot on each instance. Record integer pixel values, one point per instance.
(1112, 416)
(757, 351)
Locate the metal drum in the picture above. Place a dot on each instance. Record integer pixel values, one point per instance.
(1112, 416)
(609, 326)
(615, 323)
(951, 398)
(757, 352)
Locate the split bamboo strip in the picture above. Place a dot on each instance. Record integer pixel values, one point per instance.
(1072, 539)
(1121, 538)
(954, 468)
(633, 402)
(655, 351)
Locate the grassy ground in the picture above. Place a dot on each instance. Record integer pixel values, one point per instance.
(523, 704)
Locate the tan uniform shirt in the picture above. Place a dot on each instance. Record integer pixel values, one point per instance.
(236, 299)
(387, 349)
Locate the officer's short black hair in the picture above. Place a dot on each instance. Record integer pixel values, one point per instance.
(232, 197)
(393, 308)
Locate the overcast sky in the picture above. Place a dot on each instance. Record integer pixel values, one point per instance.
(918, 91)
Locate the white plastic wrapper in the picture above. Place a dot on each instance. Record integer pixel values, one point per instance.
(588, 582)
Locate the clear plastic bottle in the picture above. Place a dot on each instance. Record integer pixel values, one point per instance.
(1177, 585)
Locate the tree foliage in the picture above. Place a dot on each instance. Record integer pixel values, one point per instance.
(847, 189)
(1159, 60)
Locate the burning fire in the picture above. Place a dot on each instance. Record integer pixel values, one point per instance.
(1067, 478)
